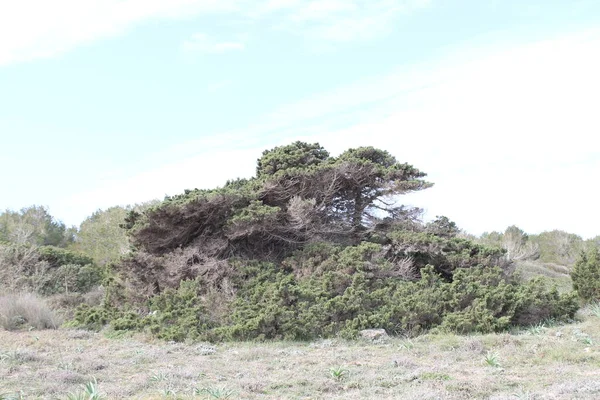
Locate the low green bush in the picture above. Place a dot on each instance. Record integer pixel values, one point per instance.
(178, 314)
(57, 256)
(93, 317)
(70, 278)
(586, 275)
(327, 291)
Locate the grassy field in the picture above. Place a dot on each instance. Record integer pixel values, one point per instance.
(542, 362)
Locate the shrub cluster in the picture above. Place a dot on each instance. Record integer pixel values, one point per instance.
(46, 270)
(312, 246)
(325, 291)
(586, 275)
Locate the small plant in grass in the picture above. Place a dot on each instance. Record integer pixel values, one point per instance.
(215, 393)
(407, 345)
(63, 364)
(338, 373)
(552, 322)
(11, 396)
(492, 359)
(6, 356)
(435, 376)
(169, 393)
(158, 377)
(582, 337)
(77, 396)
(524, 395)
(535, 329)
(594, 308)
(16, 357)
(89, 392)
(587, 340)
(67, 366)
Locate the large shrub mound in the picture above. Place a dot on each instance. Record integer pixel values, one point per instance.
(311, 246)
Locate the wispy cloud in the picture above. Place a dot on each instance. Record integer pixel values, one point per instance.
(337, 20)
(200, 42)
(32, 29)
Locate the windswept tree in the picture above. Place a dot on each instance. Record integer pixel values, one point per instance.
(369, 180)
(300, 194)
(311, 246)
(344, 195)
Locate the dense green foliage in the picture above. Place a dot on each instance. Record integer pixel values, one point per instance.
(55, 256)
(586, 275)
(326, 291)
(314, 246)
(445, 253)
(354, 294)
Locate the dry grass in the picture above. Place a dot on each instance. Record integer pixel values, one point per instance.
(541, 363)
(26, 310)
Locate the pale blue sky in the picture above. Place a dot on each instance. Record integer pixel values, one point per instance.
(106, 102)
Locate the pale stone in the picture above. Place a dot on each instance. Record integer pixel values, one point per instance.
(373, 334)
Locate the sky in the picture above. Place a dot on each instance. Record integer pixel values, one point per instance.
(115, 102)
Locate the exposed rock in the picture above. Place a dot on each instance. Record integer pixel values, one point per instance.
(206, 349)
(373, 334)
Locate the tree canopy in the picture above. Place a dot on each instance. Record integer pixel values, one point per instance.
(300, 194)
(34, 225)
(101, 236)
